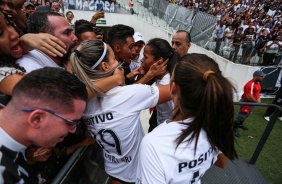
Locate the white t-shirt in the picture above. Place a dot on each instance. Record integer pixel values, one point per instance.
(272, 49)
(228, 32)
(36, 59)
(116, 126)
(160, 162)
(164, 110)
(136, 63)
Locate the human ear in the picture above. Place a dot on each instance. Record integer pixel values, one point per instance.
(188, 45)
(35, 118)
(173, 89)
(104, 66)
(116, 48)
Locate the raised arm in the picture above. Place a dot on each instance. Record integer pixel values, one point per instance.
(108, 83)
(44, 42)
(99, 14)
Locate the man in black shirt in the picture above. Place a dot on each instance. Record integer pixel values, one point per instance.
(237, 41)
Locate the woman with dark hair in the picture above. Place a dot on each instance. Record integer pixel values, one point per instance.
(159, 50)
(181, 150)
(113, 117)
(13, 47)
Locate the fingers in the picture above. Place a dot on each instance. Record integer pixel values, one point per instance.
(52, 45)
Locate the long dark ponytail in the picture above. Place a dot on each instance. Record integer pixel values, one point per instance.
(206, 95)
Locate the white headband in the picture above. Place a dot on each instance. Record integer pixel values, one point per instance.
(102, 57)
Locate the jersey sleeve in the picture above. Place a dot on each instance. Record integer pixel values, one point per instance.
(144, 97)
(28, 64)
(149, 168)
(7, 71)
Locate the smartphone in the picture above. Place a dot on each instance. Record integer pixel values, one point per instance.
(99, 6)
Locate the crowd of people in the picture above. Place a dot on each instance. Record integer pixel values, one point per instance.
(63, 86)
(249, 28)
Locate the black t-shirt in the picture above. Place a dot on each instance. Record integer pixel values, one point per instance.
(238, 38)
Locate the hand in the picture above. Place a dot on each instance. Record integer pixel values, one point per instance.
(44, 42)
(87, 141)
(158, 68)
(99, 14)
(119, 74)
(133, 74)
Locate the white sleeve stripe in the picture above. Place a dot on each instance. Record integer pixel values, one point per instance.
(252, 88)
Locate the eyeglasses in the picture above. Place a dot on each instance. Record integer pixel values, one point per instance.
(72, 122)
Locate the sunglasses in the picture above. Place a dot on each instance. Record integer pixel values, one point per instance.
(73, 123)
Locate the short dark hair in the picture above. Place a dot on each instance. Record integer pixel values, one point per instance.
(69, 12)
(50, 87)
(118, 34)
(188, 36)
(38, 21)
(87, 27)
(82, 22)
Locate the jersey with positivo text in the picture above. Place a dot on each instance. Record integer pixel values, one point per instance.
(114, 121)
(161, 162)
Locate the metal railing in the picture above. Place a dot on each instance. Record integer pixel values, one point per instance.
(77, 157)
(267, 130)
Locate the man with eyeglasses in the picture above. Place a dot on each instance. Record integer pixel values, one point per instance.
(46, 105)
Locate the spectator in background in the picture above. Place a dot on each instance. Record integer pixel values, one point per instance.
(218, 36)
(228, 34)
(130, 4)
(237, 41)
(70, 17)
(29, 8)
(58, 7)
(136, 55)
(260, 44)
(271, 49)
(248, 48)
(251, 94)
(84, 30)
(181, 42)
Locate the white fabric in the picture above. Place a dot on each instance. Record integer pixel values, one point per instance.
(136, 63)
(6, 71)
(160, 161)
(8, 163)
(115, 120)
(36, 59)
(164, 110)
(228, 32)
(102, 56)
(272, 49)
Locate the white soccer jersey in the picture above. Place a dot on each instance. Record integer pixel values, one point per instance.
(164, 110)
(117, 128)
(36, 59)
(160, 161)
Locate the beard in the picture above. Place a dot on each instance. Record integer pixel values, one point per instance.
(66, 57)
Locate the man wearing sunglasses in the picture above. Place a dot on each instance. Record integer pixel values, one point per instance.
(46, 105)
